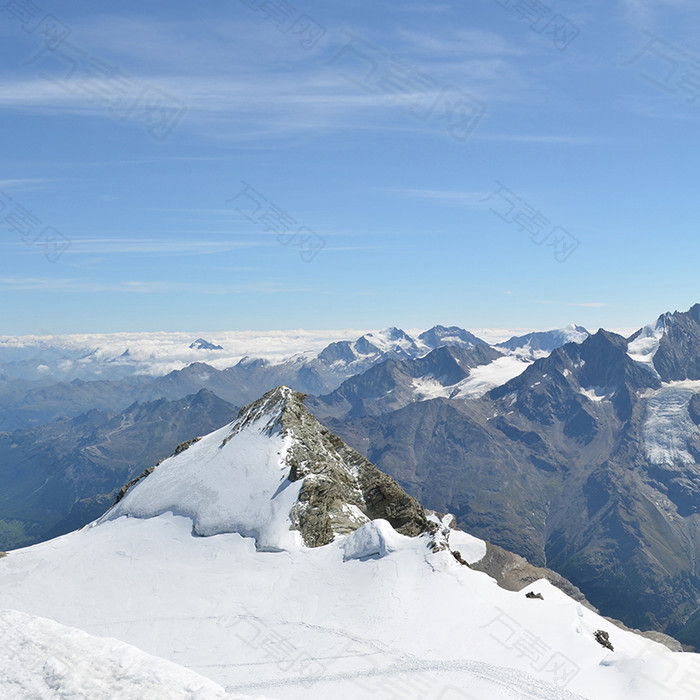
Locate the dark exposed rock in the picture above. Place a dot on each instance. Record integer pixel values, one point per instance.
(122, 491)
(678, 354)
(534, 596)
(185, 445)
(694, 409)
(338, 480)
(603, 638)
(459, 557)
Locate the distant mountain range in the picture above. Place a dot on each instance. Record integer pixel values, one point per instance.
(65, 446)
(588, 462)
(579, 452)
(31, 402)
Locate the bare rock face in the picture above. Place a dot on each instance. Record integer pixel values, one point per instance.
(342, 490)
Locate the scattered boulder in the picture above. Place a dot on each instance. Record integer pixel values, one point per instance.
(603, 638)
(532, 595)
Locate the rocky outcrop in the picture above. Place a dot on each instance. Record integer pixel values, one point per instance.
(513, 573)
(678, 355)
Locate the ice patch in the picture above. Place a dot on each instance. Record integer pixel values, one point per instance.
(643, 348)
(471, 548)
(425, 389)
(376, 538)
(668, 425)
(486, 377)
(592, 394)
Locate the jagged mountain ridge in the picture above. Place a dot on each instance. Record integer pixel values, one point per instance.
(587, 462)
(392, 384)
(43, 398)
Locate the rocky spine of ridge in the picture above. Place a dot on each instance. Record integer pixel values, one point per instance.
(342, 490)
(677, 357)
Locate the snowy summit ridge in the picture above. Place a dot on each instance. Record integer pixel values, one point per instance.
(274, 474)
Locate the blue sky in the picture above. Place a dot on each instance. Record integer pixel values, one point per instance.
(262, 164)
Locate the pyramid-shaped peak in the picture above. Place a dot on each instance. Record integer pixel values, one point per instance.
(274, 474)
(449, 335)
(273, 407)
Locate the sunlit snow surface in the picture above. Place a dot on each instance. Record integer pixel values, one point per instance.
(668, 425)
(45, 659)
(486, 377)
(240, 486)
(307, 623)
(644, 347)
(480, 380)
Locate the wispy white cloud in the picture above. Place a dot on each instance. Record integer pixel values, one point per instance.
(240, 90)
(21, 184)
(73, 285)
(104, 246)
(456, 197)
(459, 42)
(588, 304)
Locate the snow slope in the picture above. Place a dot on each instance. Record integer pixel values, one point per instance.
(481, 379)
(40, 658)
(372, 614)
(644, 346)
(241, 486)
(314, 623)
(487, 377)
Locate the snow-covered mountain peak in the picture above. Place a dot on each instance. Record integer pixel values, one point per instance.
(541, 343)
(643, 344)
(268, 411)
(274, 474)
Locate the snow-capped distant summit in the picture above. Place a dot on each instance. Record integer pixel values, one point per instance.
(671, 346)
(203, 344)
(274, 474)
(439, 336)
(540, 343)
